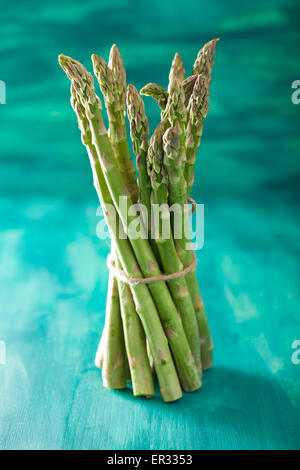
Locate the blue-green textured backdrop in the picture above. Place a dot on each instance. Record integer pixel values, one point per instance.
(53, 273)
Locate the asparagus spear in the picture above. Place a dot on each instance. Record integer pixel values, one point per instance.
(111, 354)
(161, 95)
(114, 364)
(176, 114)
(134, 334)
(166, 247)
(157, 92)
(135, 341)
(175, 111)
(115, 341)
(205, 60)
(83, 83)
(177, 196)
(198, 97)
(112, 347)
(99, 358)
(115, 103)
(109, 83)
(112, 81)
(197, 109)
(139, 131)
(145, 307)
(203, 65)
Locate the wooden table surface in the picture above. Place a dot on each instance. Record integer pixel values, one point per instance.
(51, 395)
(53, 273)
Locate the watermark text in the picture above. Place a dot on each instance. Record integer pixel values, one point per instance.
(163, 223)
(2, 353)
(2, 92)
(296, 354)
(295, 97)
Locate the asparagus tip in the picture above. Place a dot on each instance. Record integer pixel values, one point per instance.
(114, 50)
(115, 62)
(65, 61)
(132, 94)
(142, 90)
(99, 64)
(157, 92)
(131, 88)
(61, 60)
(205, 58)
(177, 68)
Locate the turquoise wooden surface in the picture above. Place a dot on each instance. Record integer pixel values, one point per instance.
(52, 266)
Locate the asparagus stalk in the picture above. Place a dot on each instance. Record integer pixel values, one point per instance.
(165, 242)
(197, 97)
(175, 111)
(99, 357)
(114, 97)
(145, 307)
(179, 186)
(139, 131)
(111, 348)
(197, 109)
(111, 355)
(112, 81)
(176, 114)
(83, 83)
(177, 193)
(114, 364)
(135, 341)
(134, 334)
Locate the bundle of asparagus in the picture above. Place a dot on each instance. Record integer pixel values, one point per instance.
(155, 317)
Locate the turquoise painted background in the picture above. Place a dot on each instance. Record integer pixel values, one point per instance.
(52, 266)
